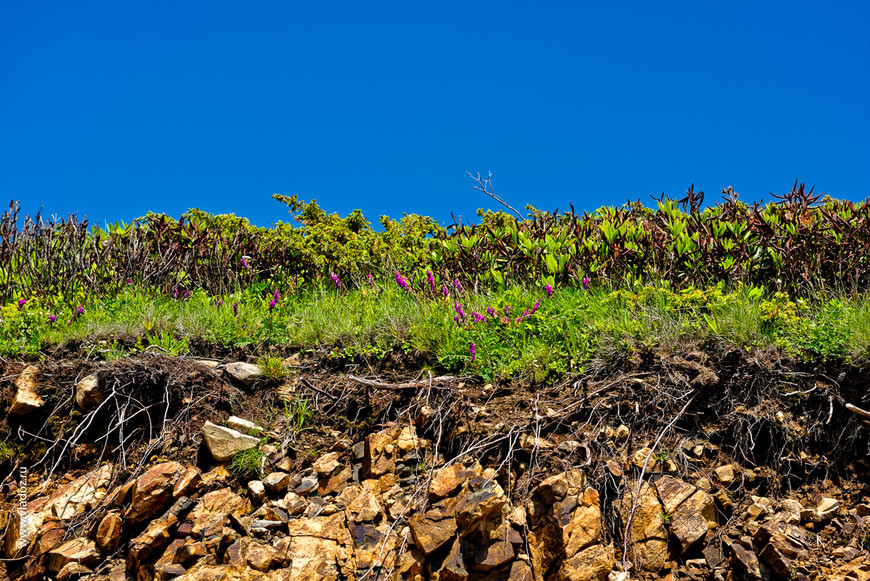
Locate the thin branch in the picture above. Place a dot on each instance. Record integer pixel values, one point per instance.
(485, 186)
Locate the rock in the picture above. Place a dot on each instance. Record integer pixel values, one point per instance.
(243, 425)
(648, 530)
(81, 550)
(453, 567)
(379, 457)
(326, 464)
(725, 474)
(224, 443)
(109, 532)
(153, 491)
(745, 562)
(446, 481)
(156, 536)
(256, 490)
(374, 546)
(335, 483)
(622, 432)
(320, 548)
(89, 395)
(261, 556)
(276, 481)
(245, 373)
(431, 530)
(190, 551)
(72, 570)
(213, 510)
(472, 508)
(827, 509)
(592, 564)
(187, 482)
(781, 543)
(691, 511)
(520, 571)
(495, 554)
(408, 442)
(26, 392)
(528, 443)
(364, 507)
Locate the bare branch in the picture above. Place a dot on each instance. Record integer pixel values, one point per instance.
(485, 186)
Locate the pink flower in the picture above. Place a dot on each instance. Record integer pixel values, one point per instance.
(585, 283)
(549, 290)
(473, 351)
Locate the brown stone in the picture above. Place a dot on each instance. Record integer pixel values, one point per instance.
(81, 550)
(276, 482)
(109, 532)
(495, 554)
(745, 562)
(648, 532)
(365, 507)
(50, 535)
(379, 455)
(26, 392)
(326, 464)
(591, 564)
(453, 567)
(335, 483)
(473, 507)
(691, 511)
(89, 395)
(72, 570)
(261, 556)
(781, 543)
(374, 546)
(320, 548)
(187, 482)
(431, 530)
(446, 481)
(153, 491)
(212, 512)
(190, 551)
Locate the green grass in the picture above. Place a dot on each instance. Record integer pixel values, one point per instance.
(569, 329)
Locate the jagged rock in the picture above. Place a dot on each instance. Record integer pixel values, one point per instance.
(446, 481)
(153, 491)
(245, 373)
(648, 531)
(72, 570)
(745, 562)
(243, 425)
(320, 548)
(520, 571)
(326, 464)
(528, 443)
(725, 474)
(379, 455)
(224, 443)
(261, 556)
(364, 507)
(691, 511)
(276, 481)
(156, 536)
(89, 394)
(81, 550)
(190, 551)
(187, 482)
(335, 483)
(408, 442)
(109, 532)
(826, 509)
(26, 392)
(473, 507)
(257, 490)
(213, 511)
(453, 567)
(432, 529)
(495, 554)
(781, 543)
(374, 546)
(592, 564)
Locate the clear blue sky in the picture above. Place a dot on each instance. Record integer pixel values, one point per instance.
(112, 109)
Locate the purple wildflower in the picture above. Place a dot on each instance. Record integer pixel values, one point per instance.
(129, 281)
(371, 279)
(459, 312)
(80, 310)
(175, 293)
(186, 295)
(549, 290)
(536, 307)
(236, 309)
(272, 305)
(335, 280)
(585, 283)
(477, 317)
(277, 296)
(220, 303)
(473, 350)
(51, 320)
(457, 285)
(491, 312)
(402, 282)
(245, 263)
(430, 278)
(446, 291)
(21, 303)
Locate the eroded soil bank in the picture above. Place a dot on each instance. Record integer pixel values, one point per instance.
(735, 465)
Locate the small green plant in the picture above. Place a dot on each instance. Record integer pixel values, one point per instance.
(666, 518)
(272, 368)
(168, 343)
(248, 463)
(662, 457)
(296, 414)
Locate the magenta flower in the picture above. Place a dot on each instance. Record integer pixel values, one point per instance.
(371, 279)
(459, 312)
(446, 291)
(335, 280)
(476, 317)
(220, 303)
(585, 283)
(129, 281)
(272, 305)
(186, 295)
(402, 282)
(277, 296)
(245, 263)
(430, 278)
(21, 303)
(457, 285)
(491, 312)
(80, 310)
(175, 293)
(549, 290)
(473, 351)
(51, 320)
(236, 309)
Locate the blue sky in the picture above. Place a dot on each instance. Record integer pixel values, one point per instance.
(114, 109)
